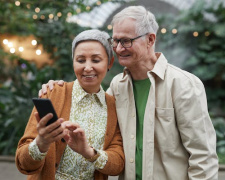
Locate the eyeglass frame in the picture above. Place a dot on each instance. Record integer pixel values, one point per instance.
(111, 40)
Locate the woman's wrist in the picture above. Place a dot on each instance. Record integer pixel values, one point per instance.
(41, 146)
(90, 153)
(94, 156)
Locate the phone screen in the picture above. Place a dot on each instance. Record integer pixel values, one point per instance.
(44, 106)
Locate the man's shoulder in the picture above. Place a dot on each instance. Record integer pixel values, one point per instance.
(175, 73)
(118, 77)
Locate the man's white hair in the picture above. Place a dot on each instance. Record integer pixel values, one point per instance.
(145, 20)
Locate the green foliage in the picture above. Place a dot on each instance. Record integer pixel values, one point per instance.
(219, 124)
(206, 52)
(21, 84)
(20, 80)
(204, 55)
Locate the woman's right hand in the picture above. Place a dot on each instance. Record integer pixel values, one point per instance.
(48, 134)
(49, 85)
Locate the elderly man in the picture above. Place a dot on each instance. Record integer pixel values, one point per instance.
(162, 110)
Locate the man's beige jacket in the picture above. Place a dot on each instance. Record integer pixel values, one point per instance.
(179, 140)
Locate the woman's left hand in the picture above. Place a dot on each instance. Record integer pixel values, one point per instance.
(77, 140)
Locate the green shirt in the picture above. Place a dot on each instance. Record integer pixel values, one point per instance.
(141, 90)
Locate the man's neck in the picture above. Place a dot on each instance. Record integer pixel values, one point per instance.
(139, 72)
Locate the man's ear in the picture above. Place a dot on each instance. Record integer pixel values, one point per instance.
(111, 63)
(151, 39)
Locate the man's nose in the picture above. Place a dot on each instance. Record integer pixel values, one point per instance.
(119, 47)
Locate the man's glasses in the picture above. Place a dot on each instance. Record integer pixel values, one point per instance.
(125, 42)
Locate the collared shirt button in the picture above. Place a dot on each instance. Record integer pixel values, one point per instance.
(133, 115)
(132, 136)
(131, 160)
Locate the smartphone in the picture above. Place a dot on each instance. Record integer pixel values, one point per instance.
(44, 106)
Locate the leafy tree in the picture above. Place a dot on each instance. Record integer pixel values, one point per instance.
(20, 80)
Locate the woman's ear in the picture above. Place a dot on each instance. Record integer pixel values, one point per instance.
(111, 63)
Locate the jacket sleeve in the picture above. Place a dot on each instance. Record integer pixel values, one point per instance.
(196, 130)
(113, 145)
(24, 162)
(116, 158)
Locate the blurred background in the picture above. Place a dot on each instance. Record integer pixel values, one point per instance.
(35, 46)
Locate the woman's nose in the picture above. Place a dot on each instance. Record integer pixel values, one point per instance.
(88, 67)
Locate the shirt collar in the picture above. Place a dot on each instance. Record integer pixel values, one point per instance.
(160, 66)
(80, 93)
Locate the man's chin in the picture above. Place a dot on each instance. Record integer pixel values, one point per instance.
(124, 61)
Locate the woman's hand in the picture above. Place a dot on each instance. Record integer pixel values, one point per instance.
(77, 141)
(48, 134)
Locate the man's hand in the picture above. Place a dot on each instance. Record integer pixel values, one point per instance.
(49, 85)
(48, 134)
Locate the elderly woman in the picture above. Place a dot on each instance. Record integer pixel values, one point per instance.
(85, 142)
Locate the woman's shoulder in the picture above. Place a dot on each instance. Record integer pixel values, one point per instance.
(109, 97)
(59, 90)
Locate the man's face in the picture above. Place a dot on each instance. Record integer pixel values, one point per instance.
(132, 56)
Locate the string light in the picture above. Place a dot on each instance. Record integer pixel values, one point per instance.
(5, 41)
(13, 46)
(69, 14)
(207, 33)
(17, 3)
(34, 16)
(109, 27)
(12, 50)
(42, 17)
(37, 9)
(195, 34)
(10, 44)
(163, 30)
(59, 14)
(98, 3)
(88, 8)
(21, 49)
(174, 31)
(78, 10)
(51, 16)
(33, 42)
(38, 52)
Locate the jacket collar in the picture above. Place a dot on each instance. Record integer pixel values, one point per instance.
(159, 68)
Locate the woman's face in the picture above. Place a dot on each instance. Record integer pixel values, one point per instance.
(90, 65)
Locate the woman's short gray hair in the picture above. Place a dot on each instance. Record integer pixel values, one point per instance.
(95, 35)
(145, 20)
